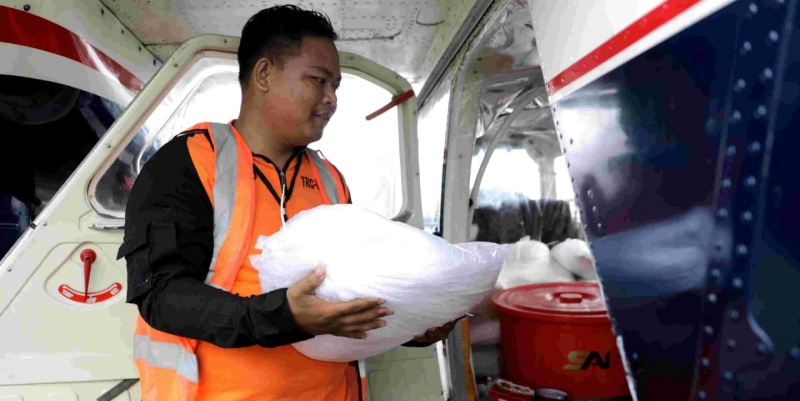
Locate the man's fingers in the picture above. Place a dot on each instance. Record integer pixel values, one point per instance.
(357, 306)
(365, 316)
(310, 282)
(359, 335)
(362, 328)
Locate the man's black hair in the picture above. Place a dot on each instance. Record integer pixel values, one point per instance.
(278, 32)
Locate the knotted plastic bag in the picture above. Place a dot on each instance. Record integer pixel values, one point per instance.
(576, 257)
(527, 262)
(426, 281)
(531, 262)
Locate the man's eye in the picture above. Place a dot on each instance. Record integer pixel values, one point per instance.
(320, 80)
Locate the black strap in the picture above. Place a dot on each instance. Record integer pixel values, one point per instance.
(115, 391)
(264, 179)
(290, 190)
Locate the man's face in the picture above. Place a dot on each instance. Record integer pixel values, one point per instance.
(302, 93)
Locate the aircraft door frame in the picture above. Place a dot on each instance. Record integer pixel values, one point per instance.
(73, 222)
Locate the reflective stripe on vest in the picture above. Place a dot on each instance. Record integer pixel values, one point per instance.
(327, 178)
(224, 188)
(234, 205)
(168, 368)
(166, 356)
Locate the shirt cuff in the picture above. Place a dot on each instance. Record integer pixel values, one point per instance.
(272, 322)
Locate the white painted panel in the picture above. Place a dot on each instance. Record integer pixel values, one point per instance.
(57, 340)
(561, 52)
(65, 391)
(568, 30)
(404, 374)
(39, 64)
(100, 28)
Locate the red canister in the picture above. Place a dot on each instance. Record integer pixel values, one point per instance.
(558, 335)
(503, 390)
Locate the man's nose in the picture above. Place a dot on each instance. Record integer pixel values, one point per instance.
(330, 98)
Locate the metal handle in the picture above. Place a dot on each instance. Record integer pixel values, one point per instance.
(117, 390)
(98, 226)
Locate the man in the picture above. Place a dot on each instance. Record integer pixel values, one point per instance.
(205, 331)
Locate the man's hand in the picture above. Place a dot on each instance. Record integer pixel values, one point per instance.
(436, 334)
(345, 319)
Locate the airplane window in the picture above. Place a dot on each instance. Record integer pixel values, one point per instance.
(216, 99)
(500, 172)
(207, 81)
(366, 152)
(564, 190)
(524, 197)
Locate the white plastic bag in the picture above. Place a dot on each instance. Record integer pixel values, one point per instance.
(530, 262)
(425, 280)
(527, 262)
(576, 257)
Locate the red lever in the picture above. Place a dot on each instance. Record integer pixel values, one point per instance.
(88, 257)
(399, 99)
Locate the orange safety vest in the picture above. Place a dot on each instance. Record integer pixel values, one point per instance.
(174, 368)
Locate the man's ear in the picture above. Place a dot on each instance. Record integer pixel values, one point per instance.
(262, 73)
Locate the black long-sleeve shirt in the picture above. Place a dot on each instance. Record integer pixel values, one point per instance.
(168, 247)
(169, 223)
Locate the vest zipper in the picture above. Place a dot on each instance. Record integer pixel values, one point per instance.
(284, 217)
(282, 175)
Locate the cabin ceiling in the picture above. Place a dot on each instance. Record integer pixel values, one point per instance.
(407, 36)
